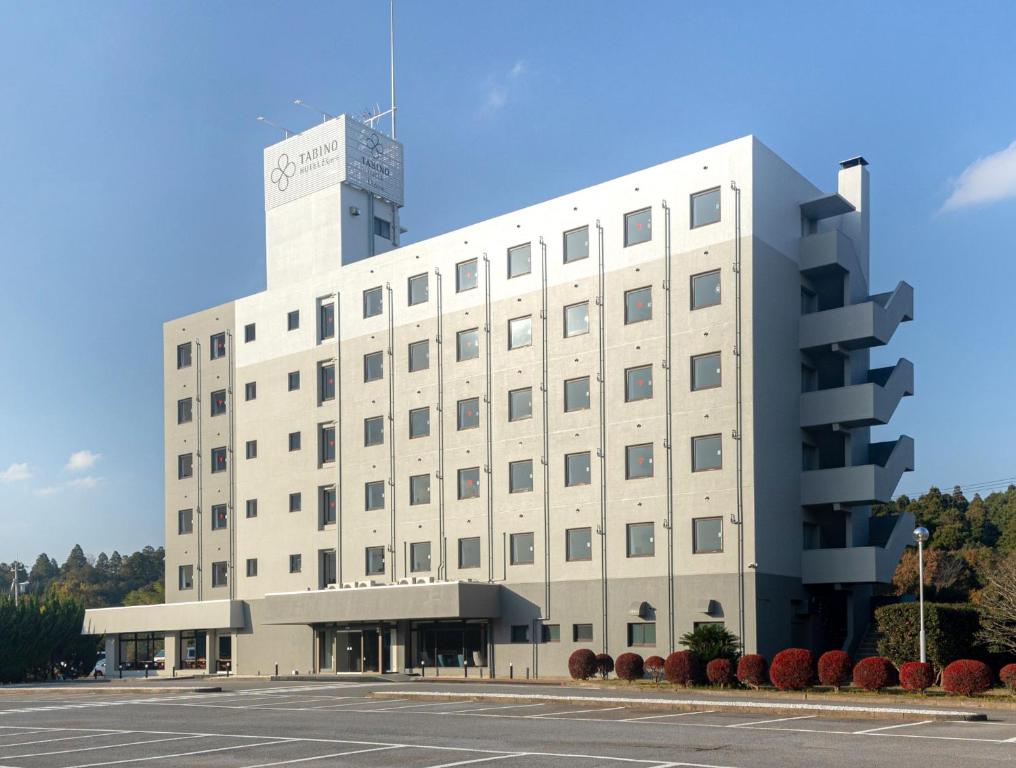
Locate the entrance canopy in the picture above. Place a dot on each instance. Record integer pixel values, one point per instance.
(169, 617)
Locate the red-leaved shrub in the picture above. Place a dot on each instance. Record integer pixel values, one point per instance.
(966, 677)
(681, 667)
(582, 664)
(629, 666)
(720, 672)
(874, 673)
(917, 676)
(792, 669)
(834, 668)
(1008, 677)
(604, 664)
(654, 668)
(751, 670)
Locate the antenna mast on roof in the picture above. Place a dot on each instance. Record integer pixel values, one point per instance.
(391, 57)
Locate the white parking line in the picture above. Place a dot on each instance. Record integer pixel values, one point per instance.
(671, 714)
(325, 757)
(774, 720)
(50, 741)
(485, 709)
(552, 715)
(489, 759)
(181, 754)
(890, 727)
(409, 706)
(104, 746)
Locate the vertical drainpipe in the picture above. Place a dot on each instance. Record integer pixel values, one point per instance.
(199, 519)
(442, 544)
(488, 468)
(738, 441)
(669, 424)
(601, 451)
(389, 297)
(545, 389)
(338, 438)
(231, 464)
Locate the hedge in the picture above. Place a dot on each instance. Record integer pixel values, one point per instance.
(966, 677)
(654, 667)
(950, 631)
(1008, 677)
(682, 667)
(604, 664)
(751, 670)
(792, 669)
(874, 673)
(834, 668)
(917, 676)
(720, 672)
(582, 664)
(629, 666)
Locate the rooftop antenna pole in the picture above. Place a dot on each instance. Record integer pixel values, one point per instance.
(391, 56)
(325, 117)
(285, 131)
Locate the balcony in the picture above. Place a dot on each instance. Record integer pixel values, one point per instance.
(858, 326)
(860, 405)
(864, 483)
(874, 563)
(826, 252)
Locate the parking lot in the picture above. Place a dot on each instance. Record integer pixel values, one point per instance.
(255, 724)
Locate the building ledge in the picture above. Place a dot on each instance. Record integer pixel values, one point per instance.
(864, 483)
(872, 564)
(168, 617)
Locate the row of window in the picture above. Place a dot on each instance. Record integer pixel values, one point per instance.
(642, 633)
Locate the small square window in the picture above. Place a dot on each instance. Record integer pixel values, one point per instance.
(419, 556)
(576, 319)
(217, 346)
(520, 260)
(295, 563)
(705, 371)
(326, 321)
(576, 394)
(218, 402)
(551, 633)
(469, 413)
(578, 544)
(185, 521)
(186, 577)
(373, 366)
(220, 517)
(382, 228)
(467, 344)
(252, 567)
(582, 633)
(577, 469)
(374, 495)
(419, 356)
(218, 460)
(375, 561)
(183, 355)
(185, 466)
(642, 634)
(251, 449)
(706, 453)
(520, 332)
(293, 381)
(249, 333)
(419, 489)
(638, 227)
(641, 540)
(250, 390)
(520, 476)
(419, 422)
(707, 535)
(520, 404)
(295, 502)
(293, 320)
(327, 513)
(469, 552)
(326, 382)
(522, 549)
(251, 508)
(638, 305)
(294, 441)
(184, 411)
(465, 275)
(373, 302)
(326, 443)
(638, 383)
(220, 574)
(638, 461)
(419, 289)
(520, 633)
(576, 245)
(705, 290)
(374, 430)
(469, 483)
(705, 207)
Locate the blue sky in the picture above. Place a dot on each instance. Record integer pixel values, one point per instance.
(131, 188)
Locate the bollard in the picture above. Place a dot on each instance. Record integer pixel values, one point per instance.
(527, 673)
(481, 673)
(511, 670)
(121, 671)
(276, 669)
(465, 669)
(423, 669)
(146, 670)
(174, 670)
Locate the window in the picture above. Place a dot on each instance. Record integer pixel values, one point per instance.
(419, 556)
(218, 402)
(218, 460)
(643, 633)
(520, 332)
(326, 321)
(467, 344)
(252, 567)
(419, 289)
(220, 574)
(465, 276)
(250, 390)
(638, 227)
(294, 441)
(578, 544)
(641, 540)
(326, 442)
(469, 552)
(293, 320)
(521, 548)
(185, 465)
(706, 453)
(705, 290)
(705, 371)
(185, 521)
(327, 513)
(520, 261)
(638, 305)
(520, 633)
(252, 508)
(707, 534)
(295, 501)
(419, 489)
(576, 245)
(705, 208)
(252, 449)
(373, 366)
(220, 517)
(551, 633)
(582, 633)
(576, 319)
(469, 413)
(249, 333)
(186, 577)
(295, 563)
(293, 381)
(638, 383)
(184, 411)
(375, 561)
(520, 476)
(373, 302)
(374, 431)
(469, 483)
(419, 422)
(326, 382)
(576, 469)
(419, 356)
(382, 228)
(183, 355)
(374, 495)
(520, 404)
(638, 461)
(576, 394)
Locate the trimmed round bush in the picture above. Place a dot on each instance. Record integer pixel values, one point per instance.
(681, 667)
(582, 664)
(792, 669)
(720, 672)
(604, 665)
(1008, 677)
(966, 677)
(629, 666)
(874, 673)
(834, 668)
(917, 676)
(751, 670)
(654, 668)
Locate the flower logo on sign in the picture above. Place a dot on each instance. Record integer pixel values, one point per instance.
(373, 144)
(283, 172)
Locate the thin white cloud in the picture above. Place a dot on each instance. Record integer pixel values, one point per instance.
(88, 481)
(985, 180)
(500, 88)
(82, 460)
(15, 473)
(49, 490)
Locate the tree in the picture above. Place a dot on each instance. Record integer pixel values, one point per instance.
(43, 573)
(711, 641)
(997, 607)
(149, 594)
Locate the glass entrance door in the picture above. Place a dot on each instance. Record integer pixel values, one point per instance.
(349, 650)
(326, 650)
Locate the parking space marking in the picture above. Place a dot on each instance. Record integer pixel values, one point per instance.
(182, 754)
(326, 757)
(552, 715)
(773, 720)
(488, 759)
(485, 709)
(103, 746)
(409, 706)
(50, 741)
(891, 727)
(671, 714)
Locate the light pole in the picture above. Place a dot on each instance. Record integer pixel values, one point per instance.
(921, 535)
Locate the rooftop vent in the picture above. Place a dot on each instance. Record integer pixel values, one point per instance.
(859, 160)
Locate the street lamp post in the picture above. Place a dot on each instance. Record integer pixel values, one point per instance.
(921, 535)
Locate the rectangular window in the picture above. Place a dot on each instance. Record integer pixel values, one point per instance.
(522, 548)
(520, 633)
(578, 544)
(326, 382)
(373, 302)
(252, 567)
(582, 633)
(249, 333)
(373, 366)
(576, 245)
(382, 228)
(293, 320)
(374, 495)
(577, 468)
(326, 443)
(465, 275)
(643, 633)
(469, 552)
(185, 522)
(252, 508)
(251, 449)
(467, 344)
(576, 319)
(295, 502)
(638, 461)
(641, 540)
(419, 489)
(220, 574)
(184, 411)
(520, 332)
(217, 346)
(419, 556)
(520, 261)
(419, 289)
(419, 356)
(419, 422)
(705, 207)
(218, 460)
(638, 227)
(638, 305)
(705, 290)
(326, 568)
(706, 453)
(294, 441)
(520, 404)
(469, 483)
(185, 465)
(576, 394)
(250, 390)
(705, 371)
(220, 517)
(551, 633)
(520, 476)
(186, 577)
(326, 321)
(293, 381)
(327, 514)
(638, 383)
(468, 413)
(218, 402)
(707, 535)
(295, 563)
(183, 355)
(375, 561)
(374, 431)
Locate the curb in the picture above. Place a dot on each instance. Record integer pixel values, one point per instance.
(683, 704)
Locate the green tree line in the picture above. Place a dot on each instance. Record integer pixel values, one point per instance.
(41, 639)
